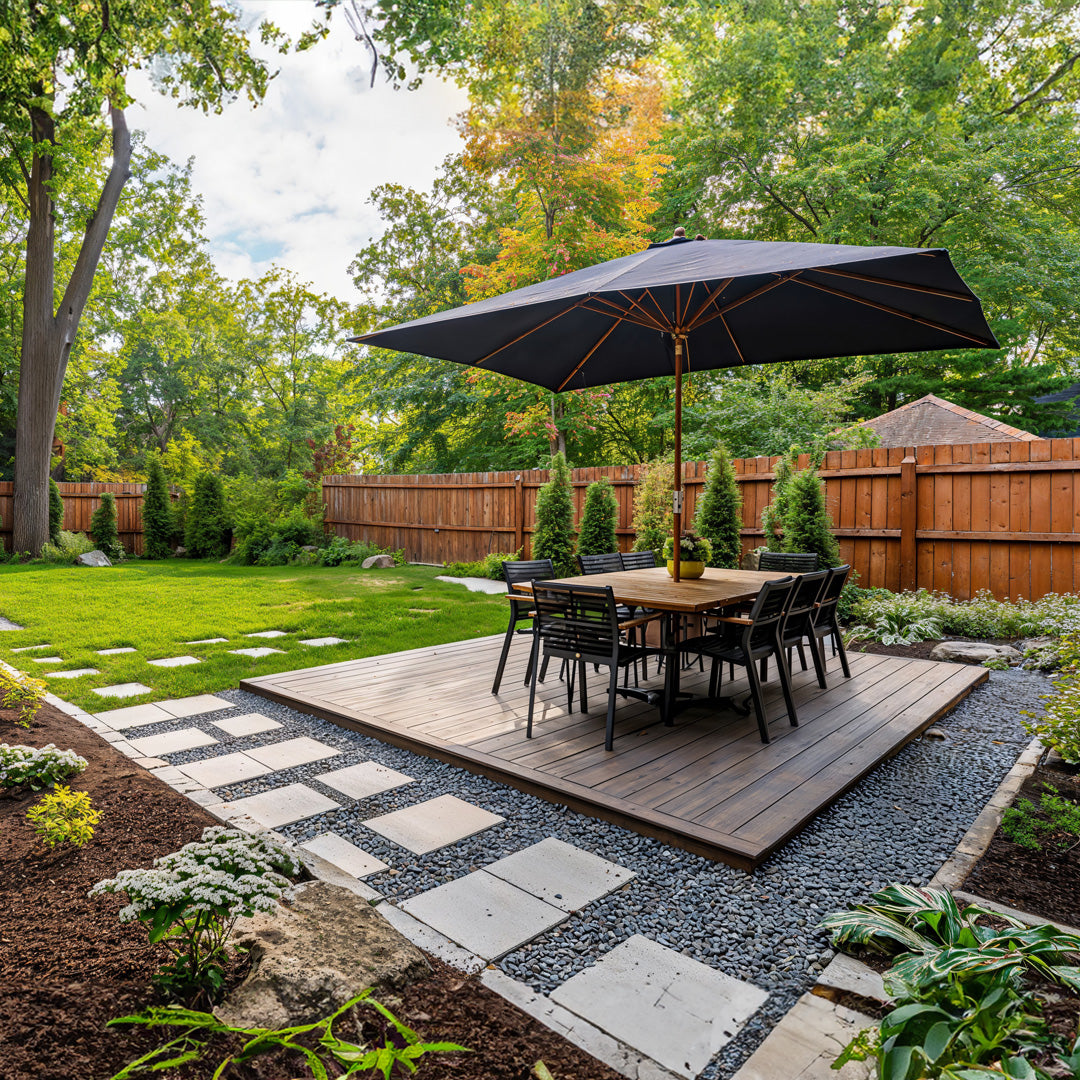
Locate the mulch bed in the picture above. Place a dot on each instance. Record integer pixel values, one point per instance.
(921, 650)
(69, 966)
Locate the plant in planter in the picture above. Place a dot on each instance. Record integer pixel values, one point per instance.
(694, 553)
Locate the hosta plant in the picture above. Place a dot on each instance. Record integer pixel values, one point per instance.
(898, 627)
(29, 766)
(64, 817)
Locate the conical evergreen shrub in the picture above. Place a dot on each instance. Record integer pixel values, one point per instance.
(56, 511)
(599, 520)
(772, 517)
(719, 513)
(103, 526)
(652, 507)
(156, 513)
(553, 537)
(205, 533)
(807, 524)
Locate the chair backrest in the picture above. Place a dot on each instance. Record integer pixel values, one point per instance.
(638, 560)
(801, 609)
(600, 564)
(516, 571)
(830, 595)
(769, 610)
(579, 622)
(789, 562)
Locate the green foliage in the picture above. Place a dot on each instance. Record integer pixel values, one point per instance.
(719, 512)
(191, 899)
(206, 530)
(23, 694)
(598, 520)
(490, 566)
(56, 511)
(342, 552)
(1056, 819)
(103, 527)
(898, 627)
(1059, 725)
(64, 817)
(28, 766)
(772, 517)
(67, 549)
(652, 507)
(553, 535)
(317, 1043)
(157, 514)
(806, 520)
(691, 548)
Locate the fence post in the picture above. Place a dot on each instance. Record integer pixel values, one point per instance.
(519, 515)
(909, 517)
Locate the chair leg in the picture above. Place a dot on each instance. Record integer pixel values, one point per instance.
(819, 660)
(502, 659)
(716, 677)
(759, 702)
(570, 687)
(609, 731)
(838, 644)
(802, 656)
(785, 685)
(532, 686)
(764, 669)
(581, 679)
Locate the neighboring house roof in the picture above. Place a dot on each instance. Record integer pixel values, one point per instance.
(1070, 425)
(933, 421)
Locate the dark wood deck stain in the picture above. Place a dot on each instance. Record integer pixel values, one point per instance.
(707, 784)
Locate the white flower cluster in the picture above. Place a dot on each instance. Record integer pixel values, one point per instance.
(226, 874)
(37, 767)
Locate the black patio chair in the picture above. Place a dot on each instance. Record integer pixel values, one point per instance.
(799, 624)
(638, 560)
(609, 564)
(747, 641)
(825, 623)
(788, 562)
(580, 625)
(520, 610)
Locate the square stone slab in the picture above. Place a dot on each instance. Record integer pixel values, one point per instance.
(433, 824)
(175, 661)
(226, 769)
(364, 780)
(193, 706)
(134, 716)
(72, 673)
(561, 874)
(344, 855)
(316, 641)
(256, 653)
(47, 659)
(484, 914)
(267, 633)
(207, 641)
(31, 648)
(115, 652)
(121, 690)
(172, 742)
(283, 805)
(7, 624)
(291, 752)
(248, 724)
(670, 1007)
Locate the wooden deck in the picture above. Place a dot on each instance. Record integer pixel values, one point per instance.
(707, 784)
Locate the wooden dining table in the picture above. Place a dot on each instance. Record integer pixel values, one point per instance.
(654, 589)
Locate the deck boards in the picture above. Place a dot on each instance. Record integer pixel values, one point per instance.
(707, 784)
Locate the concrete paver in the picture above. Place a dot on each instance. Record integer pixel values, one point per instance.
(207, 641)
(248, 724)
(292, 752)
(115, 652)
(281, 806)
(255, 653)
(433, 824)
(134, 716)
(364, 780)
(174, 661)
(72, 673)
(315, 642)
(172, 742)
(193, 706)
(344, 855)
(267, 633)
(225, 769)
(31, 648)
(123, 690)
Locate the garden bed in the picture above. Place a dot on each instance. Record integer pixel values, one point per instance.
(69, 965)
(920, 650)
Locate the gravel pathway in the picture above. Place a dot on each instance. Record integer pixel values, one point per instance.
(899, 824)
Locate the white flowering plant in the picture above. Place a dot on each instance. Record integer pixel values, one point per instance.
(190, 900)
(37, 768)
(692, 548)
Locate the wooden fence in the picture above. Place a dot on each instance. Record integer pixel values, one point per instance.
(998, 516)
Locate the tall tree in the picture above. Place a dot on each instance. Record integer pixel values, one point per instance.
(63, 69)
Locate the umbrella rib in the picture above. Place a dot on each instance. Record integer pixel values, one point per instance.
(893, 284)
(721, 312)
(663, 315)
(724, 322)
(644, 319)
(894, 311)
(603, 337)
(681, 315)
(710, 299)
(531, 330)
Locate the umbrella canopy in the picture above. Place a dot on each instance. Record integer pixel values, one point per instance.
(688, 305)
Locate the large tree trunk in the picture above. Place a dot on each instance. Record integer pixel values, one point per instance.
(48, 337)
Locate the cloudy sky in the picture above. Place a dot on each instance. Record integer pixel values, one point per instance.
(288, 182)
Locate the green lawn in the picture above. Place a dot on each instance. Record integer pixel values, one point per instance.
(157, 607)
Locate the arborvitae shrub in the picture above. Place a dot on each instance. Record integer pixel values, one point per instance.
(103, 526)
(157, 514)
(599, 520)
(652, 507)
(206, 531)
(719, 514)
(553, 537)
(772, 517)
(807, 524)
(56, 511)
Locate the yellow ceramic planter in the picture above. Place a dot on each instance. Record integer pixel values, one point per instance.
(686, 569)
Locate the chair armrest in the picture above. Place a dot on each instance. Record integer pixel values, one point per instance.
(732, 619)
(640, 621)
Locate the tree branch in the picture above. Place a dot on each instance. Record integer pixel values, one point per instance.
(1060, 72)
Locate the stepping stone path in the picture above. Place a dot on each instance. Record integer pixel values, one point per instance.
(140, 715)
(207, 641)
(122, 690)
(345, 855)
(73, 673)
(264, 651)
(267, 633)
(175, 661)
(670, 1007)
(224, 770)
(292, 752)
(315, 642)
(430, 825)
(115, 652)
(47, 659)
(172, 742)
(31, 648)
(193, 706)
(282, 806)
(363, 780)
(248, 724)
(7, 624)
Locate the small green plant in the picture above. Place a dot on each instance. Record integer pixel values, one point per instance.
(64, 817)
(898, 627)
(806, 520)
(996, 663)
(317, 1043)
(103, 527)
(67, 548)
(490, 566)
(23, 694)
(553, 536)
(691, 548)
(28, 766)
(205, 535)
(1059, 725)
(157, 516)
(56, 511)
(719, 513)
(1055, 819)
(598, 520)
(191, 899)
(652, 507)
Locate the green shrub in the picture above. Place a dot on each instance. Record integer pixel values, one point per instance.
(56, 511)
(343, 552)
(490, 566)
(599, 520)
(806, 520)
(1055, 818)
(23, 694)
(64, 817)
(652, 507)
(719, 513)
(553, 536)
(772, 517)
(157, 515)
(1059, 725)
(103, 527)
(27, 766)
(206, 532)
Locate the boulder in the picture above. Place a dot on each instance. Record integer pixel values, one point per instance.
(973, 652)
(309, 548)
(94, 558)
(321, 947)
(377, 562)
(1036, 644)
(180, 552)
(750, 560)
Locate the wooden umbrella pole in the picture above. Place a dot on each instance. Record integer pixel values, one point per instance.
(677, 494)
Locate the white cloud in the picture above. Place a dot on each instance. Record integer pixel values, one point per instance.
(288, 182)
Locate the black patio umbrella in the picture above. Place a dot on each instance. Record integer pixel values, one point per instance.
(687, 305)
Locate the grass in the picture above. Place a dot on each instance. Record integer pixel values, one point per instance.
(157, 607)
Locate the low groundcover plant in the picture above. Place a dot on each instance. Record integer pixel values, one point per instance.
(64, 817)
(28, 766)
(191, 899)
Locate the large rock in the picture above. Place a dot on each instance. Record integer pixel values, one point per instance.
(94, 558)
(750, 560)
(973, 652)
(377, 562)
(315, 952)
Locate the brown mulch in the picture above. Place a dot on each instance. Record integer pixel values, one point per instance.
(921, 650)
(67, 965)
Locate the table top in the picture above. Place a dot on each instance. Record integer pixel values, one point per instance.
(654, 587)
